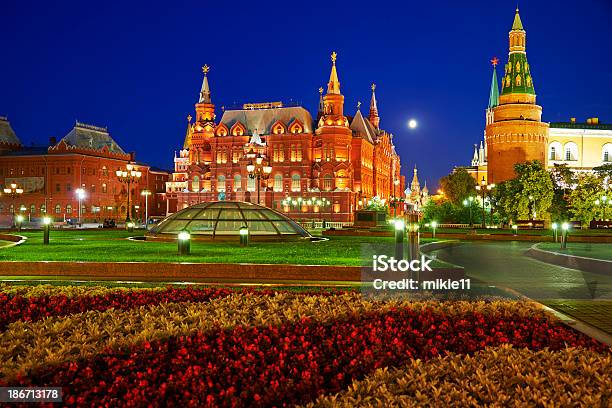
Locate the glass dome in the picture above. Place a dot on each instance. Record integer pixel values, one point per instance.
(223, 219)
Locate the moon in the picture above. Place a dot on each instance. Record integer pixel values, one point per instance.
(412, 123)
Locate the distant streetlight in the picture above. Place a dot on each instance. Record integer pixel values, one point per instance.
(483, 187)
(399, 239)
(184, 243)
(554, 228)
(13, 191)
(146, 194)
(129, 175)
(46, 228)
(564, 232)
(412, 124)
(80, 193)
(514, 229)
(434, 224)
(19, 222)
(468, 203)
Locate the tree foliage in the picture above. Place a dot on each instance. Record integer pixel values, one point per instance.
(458, 186)
(582, 198)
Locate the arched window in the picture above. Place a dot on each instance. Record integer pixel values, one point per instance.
(32, 209)
(237, 182)
(195, 184)
(571, 151)
(221, 183)
(328, 182)
(295, 183)
(43, 209)
(68, 209)
(278, 182)
(607, 152)
(554, 151)
(58, 209)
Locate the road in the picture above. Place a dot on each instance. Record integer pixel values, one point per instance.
(504, 264)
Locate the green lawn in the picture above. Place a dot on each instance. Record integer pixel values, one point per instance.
(106, 245)
(598, 251)
(539, 232)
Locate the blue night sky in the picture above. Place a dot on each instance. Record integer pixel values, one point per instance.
(136, 67)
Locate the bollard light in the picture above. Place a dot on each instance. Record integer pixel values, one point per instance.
(554, 228)
(514, 229)
(564, 230)
(184, 243)
(244, 236)
(399, 239)
(46, 228)
(19, 222)
(130, 226)
(434, 224)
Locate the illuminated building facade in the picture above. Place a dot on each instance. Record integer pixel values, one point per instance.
(88, 158)
(324, 167)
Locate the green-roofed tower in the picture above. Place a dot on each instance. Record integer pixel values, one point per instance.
(517, 76)
(494, 93)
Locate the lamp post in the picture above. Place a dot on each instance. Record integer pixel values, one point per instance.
(19, 219)
(244, 236)
(146, 194)
(80, 193)
(399, 239)
(434, 224)
(259, 171)
(13, 191)
(554, 228)
(514, 229)
(468, 203)
(128, 176)
(483, 187)
(184, 243)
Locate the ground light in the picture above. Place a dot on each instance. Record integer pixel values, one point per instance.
(413, 239)
(399, 239)
(184, 243)
(19, 220)
(564, 231)
(244, 236)
(46, 228)
(130, 226)
(554, 228)
(514, 229)
(434, 224)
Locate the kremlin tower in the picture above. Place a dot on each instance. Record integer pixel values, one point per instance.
(514, 130)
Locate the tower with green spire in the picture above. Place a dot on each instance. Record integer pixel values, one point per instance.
(514, 132)
(517, 74)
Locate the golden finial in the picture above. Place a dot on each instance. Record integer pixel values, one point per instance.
(223, 108)
(205, 69)
(321, 90)
(333, 57)
(358, 105)
(373, 87)
(189, 118)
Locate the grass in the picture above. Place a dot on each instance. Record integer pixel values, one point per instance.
(113, 246)
(598, 251)
(539, 232)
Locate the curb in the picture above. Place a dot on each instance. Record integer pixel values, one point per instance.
(581, 263)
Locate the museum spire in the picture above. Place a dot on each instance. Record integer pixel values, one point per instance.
(374, 118)
(333, 86)
(205, 92)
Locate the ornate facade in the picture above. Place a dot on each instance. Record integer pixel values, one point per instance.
(514, 132)
(324, 167)
(87, 157)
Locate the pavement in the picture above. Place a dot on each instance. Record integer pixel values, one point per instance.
(586, 297)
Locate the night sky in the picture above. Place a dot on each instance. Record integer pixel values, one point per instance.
(136, 67)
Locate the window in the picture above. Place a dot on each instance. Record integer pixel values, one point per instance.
(195, 184)
(278, 182)
(104, 189)
(237, 182)
(32, 209)
(553, 154)
(68, 187)
(554, 151)
(607, 152)
(58, 209)
(295, 183)
(221, 183)
(328, 182)
(43, 209)
(68, 209)
(571, 151)
(57, 188)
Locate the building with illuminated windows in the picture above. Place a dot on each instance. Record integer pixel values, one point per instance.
(321, 167)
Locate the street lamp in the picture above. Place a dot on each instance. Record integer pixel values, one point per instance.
(80, 193)
(483, 187)
(146, 194)
(564, 230)
(19, 222)
(554, 228)
(259, 171)
(468, 203)
(46, 228)
(399, 239)
(244, 236)
(434, 224)
(13, 191)
(514, 229)
(184, 243)
(128, 176)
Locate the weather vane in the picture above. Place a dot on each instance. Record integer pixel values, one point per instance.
(205, 69)
(494, 61)
(334, 56)
(358, 104)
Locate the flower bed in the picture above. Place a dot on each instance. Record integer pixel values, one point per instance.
(221, 347)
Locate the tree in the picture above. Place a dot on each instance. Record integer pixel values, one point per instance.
(458, 186)
(582, 198)
(563, 180)
(376, 204)
(604, 172)
(528, 195)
